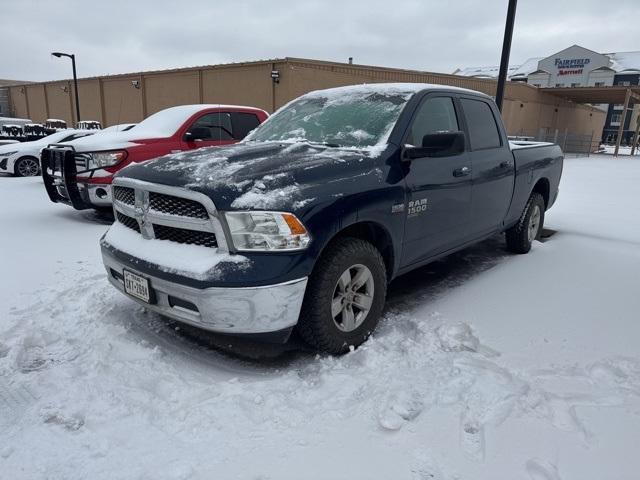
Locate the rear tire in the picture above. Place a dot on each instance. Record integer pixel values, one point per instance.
(344, 297)
(529, 227)
(26, 167)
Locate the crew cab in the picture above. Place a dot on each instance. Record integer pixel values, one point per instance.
(305, 222)
(79, 174)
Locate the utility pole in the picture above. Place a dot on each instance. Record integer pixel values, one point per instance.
(506, 51)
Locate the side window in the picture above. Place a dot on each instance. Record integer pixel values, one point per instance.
(436, 114)
(218, 124)
(243, 123)
(483, 130)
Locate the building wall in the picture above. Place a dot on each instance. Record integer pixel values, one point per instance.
(122, 101)
(249, 85)
(60, 101)
(132, 97)
(35, 103)
(572, 66)
(167, 90)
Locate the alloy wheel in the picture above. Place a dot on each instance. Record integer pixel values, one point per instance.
(352, 298)
(28, 167)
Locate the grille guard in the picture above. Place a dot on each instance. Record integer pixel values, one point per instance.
(62, 156)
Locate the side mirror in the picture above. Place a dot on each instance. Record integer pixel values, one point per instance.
(197, 133)
(442, 144)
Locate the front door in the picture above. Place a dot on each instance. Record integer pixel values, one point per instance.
(220, 129)
(438, 188)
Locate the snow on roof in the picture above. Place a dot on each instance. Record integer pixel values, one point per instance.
(625, 61)
(484, 72)
(620, 62)
(12, 119)
(521, 70)
(530, 66)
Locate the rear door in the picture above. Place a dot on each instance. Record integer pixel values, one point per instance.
(492, 165)
(439, 188)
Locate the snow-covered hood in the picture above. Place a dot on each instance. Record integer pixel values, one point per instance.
(265, 175)
(111, 140)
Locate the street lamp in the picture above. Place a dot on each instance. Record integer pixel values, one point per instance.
(75, 78)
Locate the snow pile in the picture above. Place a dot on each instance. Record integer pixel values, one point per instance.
(194, 260)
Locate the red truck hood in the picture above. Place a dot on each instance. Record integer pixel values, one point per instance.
(113, 140)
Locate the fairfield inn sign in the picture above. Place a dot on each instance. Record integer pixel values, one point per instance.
(573, 66)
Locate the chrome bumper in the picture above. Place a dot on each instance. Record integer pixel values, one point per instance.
(89, 193)
(247, 310)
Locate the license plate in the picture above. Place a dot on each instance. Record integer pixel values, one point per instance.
(136, 286)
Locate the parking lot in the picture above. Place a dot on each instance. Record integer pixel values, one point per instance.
(532, 361)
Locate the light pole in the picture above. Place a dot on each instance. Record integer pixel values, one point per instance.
(75, 79)
(506, 50)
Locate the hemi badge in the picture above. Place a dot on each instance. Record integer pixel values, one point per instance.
(397, 208)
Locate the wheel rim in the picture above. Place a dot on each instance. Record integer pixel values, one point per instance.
(534, 224)
(28, 167)
(352, 298)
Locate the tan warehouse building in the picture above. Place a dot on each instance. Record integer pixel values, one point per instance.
(269, 84)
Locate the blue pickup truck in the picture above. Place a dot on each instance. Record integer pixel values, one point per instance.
(305, 222)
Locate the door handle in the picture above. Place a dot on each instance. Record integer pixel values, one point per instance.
(506, 164)
(461, 172)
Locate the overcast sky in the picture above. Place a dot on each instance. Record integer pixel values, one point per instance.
(127, 36)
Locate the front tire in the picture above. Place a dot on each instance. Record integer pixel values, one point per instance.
(26, 167)
(529, 227)
(345, 296)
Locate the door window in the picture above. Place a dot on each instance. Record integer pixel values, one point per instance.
(436, 114)
(483, 130)
(218, 124)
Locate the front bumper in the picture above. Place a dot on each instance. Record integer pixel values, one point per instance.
(60, 177)
(237, 310)
(91, 195)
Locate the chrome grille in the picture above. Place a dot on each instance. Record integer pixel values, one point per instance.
(171, 205)
(125, 195)
(182, 235)
(168, 213)
(128, 221)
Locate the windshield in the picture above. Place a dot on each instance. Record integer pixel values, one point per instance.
(345, 117)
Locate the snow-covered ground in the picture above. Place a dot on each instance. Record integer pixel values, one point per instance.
(610, 149)
(486, 365)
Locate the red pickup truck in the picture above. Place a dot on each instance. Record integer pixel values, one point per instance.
(79, 173)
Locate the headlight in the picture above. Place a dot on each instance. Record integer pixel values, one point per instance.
(104, 159)
(266, 231)
(8, 154)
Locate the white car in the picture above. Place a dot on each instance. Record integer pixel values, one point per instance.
(23, 159)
